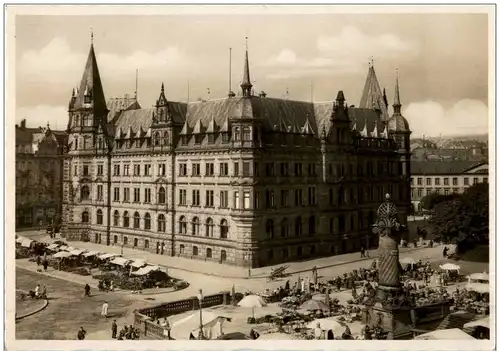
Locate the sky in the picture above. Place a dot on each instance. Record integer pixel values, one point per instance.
(441, 59)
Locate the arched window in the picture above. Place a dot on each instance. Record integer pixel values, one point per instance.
(312, 225)
(223, 255)
(166, 139)
(147, 221)
(115, 239)
(85, 217)
(116, 218)
(125, 241)
(195, 250)
(195, 226)
(146, 244)
(298, 226)
(99, 216)
(224, 229)
(137, 220)
(209, 227)
(126, 219)
(284, 228)
(157, 139)
(237, 136)
(270, 228)
(85, 193)
(181, 249)
(162, 225)
(209, 253)
(161, 195)
(182, 225)
(246, 134)
(136, 242)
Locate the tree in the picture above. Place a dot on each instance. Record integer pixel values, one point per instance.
(463, 219)
(431, 200)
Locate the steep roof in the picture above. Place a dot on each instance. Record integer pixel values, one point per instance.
(442, 167)
(116, 105)
(372, 96)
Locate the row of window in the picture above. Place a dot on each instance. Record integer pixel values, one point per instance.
(446, 180)
(419, 193)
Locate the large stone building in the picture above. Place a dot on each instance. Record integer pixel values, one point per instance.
(452, 177)
(39, 164)
(243, 180)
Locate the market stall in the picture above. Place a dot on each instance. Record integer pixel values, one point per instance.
(212, 325)
(446, 334)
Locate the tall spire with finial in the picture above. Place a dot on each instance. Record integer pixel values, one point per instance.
(246, 85)
(91, 36)
(397, 101)
(372, 96)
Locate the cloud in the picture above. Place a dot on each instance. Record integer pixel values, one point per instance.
(57, 62)
(347, 52)
(39, 115)
(431, 118)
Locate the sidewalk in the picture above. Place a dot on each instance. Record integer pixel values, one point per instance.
(216, 269)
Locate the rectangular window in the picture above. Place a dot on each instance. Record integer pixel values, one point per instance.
(298, 197)
(100, 170)
(475, 180)
(256, 200)
(75, 169)
(256, 169)
(466, 181)
(284, 169)
(137, 170)
(99, 193)
(126, 195)
(195, 171)
(182, 197)
(85, 170)
(330, 197)
(224, 203)
(183, 169)
(137, 195)
(455, 181)
(116, 170)
(427, 181)
(311, 169)
(126, 170)
(446, 181)
(236, 199)
(147, 169)
(116, 194)
(284, 198)
(446, 191)
(419, 181)
(312, 196)
(419, 192)
(298, 169)
(195, 198)
(236, 169)
(246, 199)
(209, 169)
(223, 169)
(270, 199)
(436, 181)
(246, 169)
(411, 180)
(209, 198)
(147, 195)
(269, 169)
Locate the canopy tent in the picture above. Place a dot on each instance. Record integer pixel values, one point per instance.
(327, 324)
(211, 322)
(19, 240)
(407, 260)
(120, 261)
(314, 305)
(446, 334)
(62, 254)
(252, 301)
(106, 256)
(138, 263)
(483, 322)
(145, 270)
(478, 287)
(91, 253)
(450, 267)
(26, 242)
(53, 246)
(478, 277)
(76, 252)
(64, 248)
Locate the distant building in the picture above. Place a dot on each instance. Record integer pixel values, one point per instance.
(38, 175)
(444, 178)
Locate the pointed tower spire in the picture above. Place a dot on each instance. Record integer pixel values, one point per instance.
(246, 85)
(372, 96)
(397, 101)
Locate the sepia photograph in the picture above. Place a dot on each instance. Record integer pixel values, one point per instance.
(250, 173)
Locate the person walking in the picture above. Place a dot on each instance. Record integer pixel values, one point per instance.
(362, 252)
(81, 334)
(87, 290)
(45, 265)
(37, 290)
(114, 329)
(104, 310)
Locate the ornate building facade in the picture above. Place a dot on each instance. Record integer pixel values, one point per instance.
(244, 180)
(39, 179)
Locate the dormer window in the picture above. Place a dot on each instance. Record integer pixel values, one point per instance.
(184, 140)
(86, 99)
(138, 143)
(211, 138)
(157, 139)
(166, 139)
(246, 134)
(130, 143)
(236, 136)
(225, 137)
(198, 138)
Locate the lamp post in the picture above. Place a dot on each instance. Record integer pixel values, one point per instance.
(200, 300)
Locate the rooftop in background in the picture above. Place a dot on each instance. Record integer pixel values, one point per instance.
(446, 168)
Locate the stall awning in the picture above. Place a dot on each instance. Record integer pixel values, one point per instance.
(64, 247)
(53, 246)
(138, 263)
(19, 240)
(107, 255)
(146, 270)
(26, 243)
(479, 276)
(484, 322)
(62, 254)
(478, 287)
(91, 253)
(120, 261)
(69, 248)
(76, 252)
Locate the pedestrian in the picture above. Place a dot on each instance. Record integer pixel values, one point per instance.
(44, 292)
(38, 260)
(362, 252)
(104, 310)
(45, 265)
(318, 332)
(114, 329)
(87, 290)
(37, 290)
(81, 334)
(315, 275)
(330, 335)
